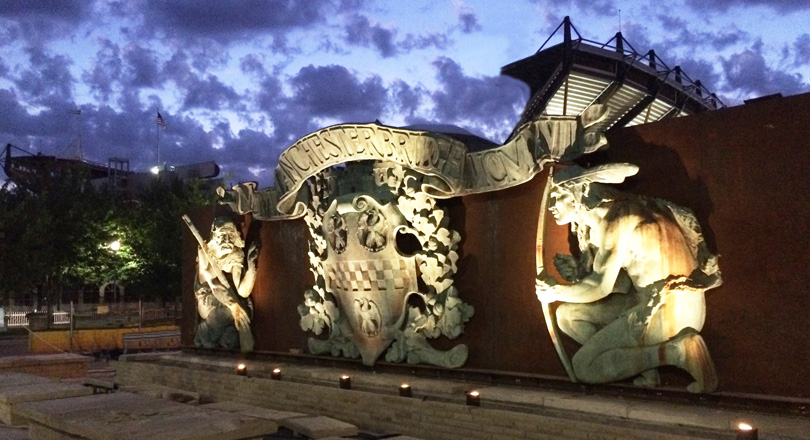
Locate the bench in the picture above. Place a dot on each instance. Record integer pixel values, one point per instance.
(100, 386)
(167, 339)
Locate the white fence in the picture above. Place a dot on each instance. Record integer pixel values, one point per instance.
(18, 319)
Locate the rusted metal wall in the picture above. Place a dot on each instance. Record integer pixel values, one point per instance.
(742, 170)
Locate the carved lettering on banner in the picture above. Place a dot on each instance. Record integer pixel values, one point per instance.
(425, 152)
(449, 169)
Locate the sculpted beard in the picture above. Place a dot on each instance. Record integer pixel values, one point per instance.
(229, 261)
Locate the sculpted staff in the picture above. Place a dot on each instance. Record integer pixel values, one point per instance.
(222, 289)
(636, 298)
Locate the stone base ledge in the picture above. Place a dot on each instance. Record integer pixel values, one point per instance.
(63, 365)
(438, 411)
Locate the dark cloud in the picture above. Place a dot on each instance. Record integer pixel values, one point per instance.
(801, 47)
(270, 97)
(252, 64)
(488, 105)
(63, 10)
(672, 23)
(232, 19)
(684, 37)
(703, 71)
(250, 148)
(333, 91)
(141, 67)
(725, 5)
(467, 19)
(591, 7)
(361, 31)
(16, 122)
(748, 73)
(38, 21)
(47, 131)
(637, 35)
(211, 94)
(106, 71)
(206, 53)
(178, 68)
(281, 45)
(406, 98)
(411, 41)
(47, 77)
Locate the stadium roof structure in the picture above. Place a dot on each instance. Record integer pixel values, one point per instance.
(34, 171)
(569, 77)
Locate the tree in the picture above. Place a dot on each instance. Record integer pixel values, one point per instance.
(47, 233)
(59, 236)
(156, 230)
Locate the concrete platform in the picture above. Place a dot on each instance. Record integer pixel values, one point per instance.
(11, 396)
(320, 427)
(62, 365)
(11, 379)
(136, 417)
(163, 392)
(12, 433)
(254, 411)
(372, 403)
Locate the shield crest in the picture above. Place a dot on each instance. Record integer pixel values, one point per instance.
(365, 272)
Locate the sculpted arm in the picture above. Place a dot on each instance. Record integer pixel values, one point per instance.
(600, 282)
(223, 294)
(244, 285)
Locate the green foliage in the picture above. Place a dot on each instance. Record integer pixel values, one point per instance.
(59, 236)
(156, 233)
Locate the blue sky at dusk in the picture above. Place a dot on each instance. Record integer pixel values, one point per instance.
(238, 81)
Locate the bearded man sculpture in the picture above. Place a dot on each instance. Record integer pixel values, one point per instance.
(636, 295)
(224, 308)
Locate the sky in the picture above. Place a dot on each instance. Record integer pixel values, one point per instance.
(239, 81)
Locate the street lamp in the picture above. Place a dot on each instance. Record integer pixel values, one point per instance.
(114, 246)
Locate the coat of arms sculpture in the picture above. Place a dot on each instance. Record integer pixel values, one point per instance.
(367, 297)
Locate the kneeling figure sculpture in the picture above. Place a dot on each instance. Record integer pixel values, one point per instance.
(636, 298)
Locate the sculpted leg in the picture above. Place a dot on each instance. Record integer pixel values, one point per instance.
(574, 322)
(614, 364)
(614, 353)
(693, 356)
(582, 321)
(599, 361)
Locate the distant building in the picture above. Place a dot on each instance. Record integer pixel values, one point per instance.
(32, 171)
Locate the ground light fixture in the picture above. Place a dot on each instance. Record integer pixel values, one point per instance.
(473, 398)
(275, 374)
(405, 390)
(345, 382)
(241, 370)
(746, 432)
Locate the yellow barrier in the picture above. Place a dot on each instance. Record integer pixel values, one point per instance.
(90, 340)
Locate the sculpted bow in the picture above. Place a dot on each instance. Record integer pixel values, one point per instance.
(543, 280)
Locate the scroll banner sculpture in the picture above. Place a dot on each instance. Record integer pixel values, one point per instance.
(366, 296)
(449, 170)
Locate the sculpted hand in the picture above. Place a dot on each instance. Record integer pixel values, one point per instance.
(240, 317)
(203, 267)
(567, 266)
(546, 288)
(252, 254)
